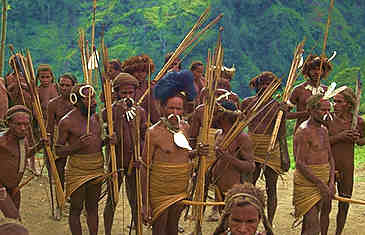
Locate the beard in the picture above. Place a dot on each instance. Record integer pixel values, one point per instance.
(84, 109)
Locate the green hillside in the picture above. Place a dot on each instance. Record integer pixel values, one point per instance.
(258, 35)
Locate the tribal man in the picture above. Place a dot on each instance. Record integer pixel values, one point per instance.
(57, 108)
(139, 67)
(311, 71)
(19, 94)
(47, 89)
(197, 68)
(236, 165)
(14, 150)
(315, 169)
(85, 158)
(169, 156)
(343, 140)
(260, 130)
(125, 115)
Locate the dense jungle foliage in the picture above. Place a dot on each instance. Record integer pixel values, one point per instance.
(258, 34)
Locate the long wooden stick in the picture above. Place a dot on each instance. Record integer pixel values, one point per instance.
(323, 55)
(348, 200)
(109, 110)
(31, 78)
(148, 142)
(287, 92)
(137, 154)
(186, 42)
(3, 36)
(357, 104)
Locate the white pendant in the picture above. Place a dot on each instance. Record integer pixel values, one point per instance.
(181, 141)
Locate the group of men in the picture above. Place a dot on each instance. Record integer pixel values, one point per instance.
(160, 137)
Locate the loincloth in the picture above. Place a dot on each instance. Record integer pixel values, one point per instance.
(306, 194)
(82, 168)
(169, 184)
(261, 144)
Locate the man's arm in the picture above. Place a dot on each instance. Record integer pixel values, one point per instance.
(284, 154)
(361, 128)
(51, 120)
(62, 149)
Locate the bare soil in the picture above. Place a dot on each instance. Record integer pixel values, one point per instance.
(36, 212)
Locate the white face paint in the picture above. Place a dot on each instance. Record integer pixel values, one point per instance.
(327, 117)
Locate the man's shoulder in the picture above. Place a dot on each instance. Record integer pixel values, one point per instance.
(65, 120)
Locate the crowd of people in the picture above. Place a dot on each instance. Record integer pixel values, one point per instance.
(160, 137)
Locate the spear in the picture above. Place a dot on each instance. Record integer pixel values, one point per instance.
(30, 79)
(357, 104)
(325, 42)
(3, 36)
(108, 106)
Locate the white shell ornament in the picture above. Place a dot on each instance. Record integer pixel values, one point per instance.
(181, 141)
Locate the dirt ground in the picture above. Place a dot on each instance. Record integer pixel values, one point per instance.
(36, 213)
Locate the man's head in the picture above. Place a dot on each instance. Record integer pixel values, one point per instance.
(228, 73)
(139, 66)
(225, 115)
(125, 86)
(311, 68)
(66, 82)
(79, 97)
(345, 101)
(114, 68)
(262, 81)
(319, 108)
(45, 75)
(18, 118)
(197, 67)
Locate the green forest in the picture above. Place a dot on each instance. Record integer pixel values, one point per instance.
(258, 35)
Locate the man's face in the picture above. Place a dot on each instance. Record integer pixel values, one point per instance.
(244, 220)
(45, 77)
(324, 109)
(314, 74)
(264, 83)
(65, 85)
(140, 75)
(16, 95)
(85, 102)
(198, 72)
(19, 124)
(174, 105)
(127, 91)
(341, 105)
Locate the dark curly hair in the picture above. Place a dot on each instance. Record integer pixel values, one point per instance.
(314, 61)
(138, 63)
(256, 81)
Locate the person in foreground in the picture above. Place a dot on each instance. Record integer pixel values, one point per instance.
(314, 174)
(243, 211)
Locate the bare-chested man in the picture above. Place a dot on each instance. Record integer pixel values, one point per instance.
(170, 155)
(301, 93)
(236, 165)
(197, 68)
(47, 89)
(14, 150)
(85, 158)
(260, 131)
(57, 108)
(343, 140)
(124, 119)
(315, 169)
(19, 94)
(139, 67)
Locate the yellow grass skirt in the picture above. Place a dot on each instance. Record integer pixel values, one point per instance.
(260, 145)
(307, 194)
(168, 185)
(81, 168)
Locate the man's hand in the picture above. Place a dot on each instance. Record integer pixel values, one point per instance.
(111, 139)
(86, 140)
(349, 135)
(221, 153)
(202, 149)
(325, 192)
(284, 107)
